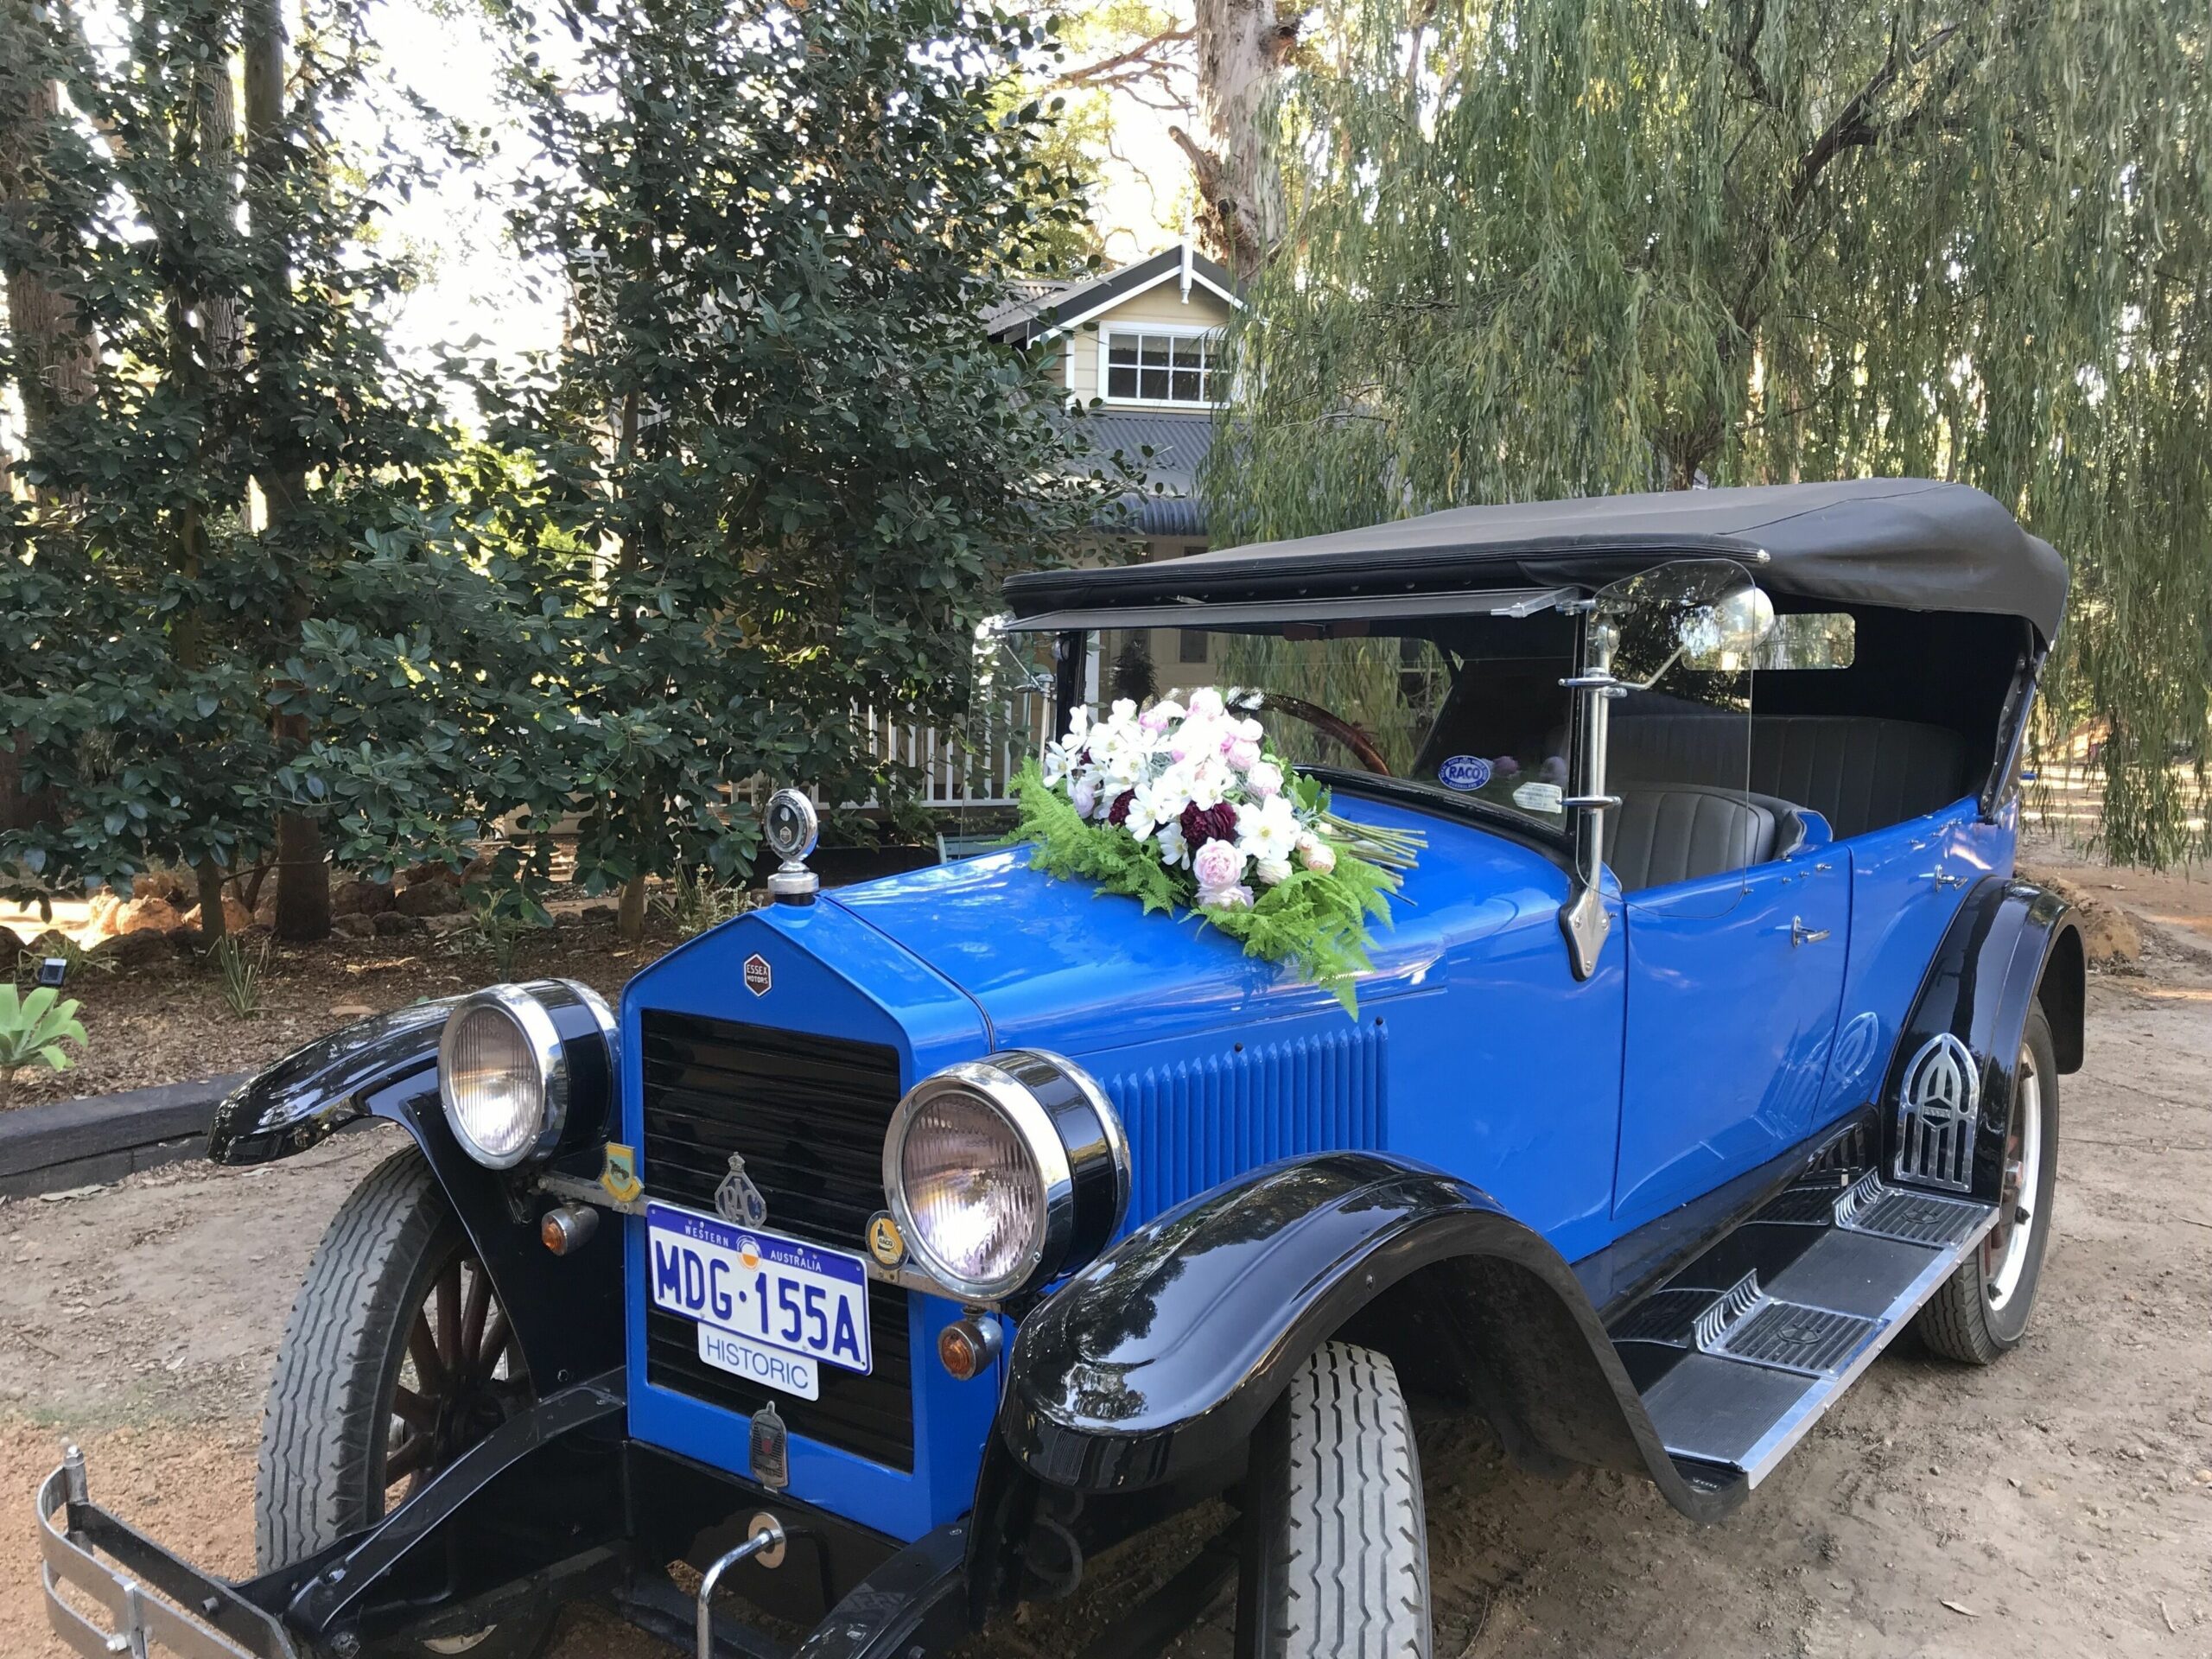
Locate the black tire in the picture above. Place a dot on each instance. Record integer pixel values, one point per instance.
(394, 1265)
(1336, 1561)
(1967, 1320)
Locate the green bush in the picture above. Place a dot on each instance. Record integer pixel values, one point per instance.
(33, 1028)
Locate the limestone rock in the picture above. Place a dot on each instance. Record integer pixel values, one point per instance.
(236, 916)
(152, 914)
(360, 897)
(354, 925)
(393, 924)
(429, 898)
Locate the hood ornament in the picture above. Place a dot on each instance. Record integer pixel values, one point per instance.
(737, 1200)
(791, 827)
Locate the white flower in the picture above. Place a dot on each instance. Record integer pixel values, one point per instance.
(1272, 871)
(1236, 896)
(1205, 782)
(1172, 852)
(1243, 753)
(1158, 718)
(1269, 831)
(1205, 704)
(1217, 864)
(1263, 780)
(1249, 727)
(1125, 709)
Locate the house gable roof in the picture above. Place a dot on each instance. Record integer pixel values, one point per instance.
(1060, 305)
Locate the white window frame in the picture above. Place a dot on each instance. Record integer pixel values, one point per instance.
(1215, 370)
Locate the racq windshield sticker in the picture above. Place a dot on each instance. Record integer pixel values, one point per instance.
(1464, 772)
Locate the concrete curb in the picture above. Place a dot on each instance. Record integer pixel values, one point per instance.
(67, 1143)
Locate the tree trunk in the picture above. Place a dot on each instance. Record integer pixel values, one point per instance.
(1241, 46)
(54, 350)
(630, 919)
(302, 876)
(207, 875)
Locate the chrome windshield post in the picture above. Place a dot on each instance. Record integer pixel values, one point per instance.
(1583, 918)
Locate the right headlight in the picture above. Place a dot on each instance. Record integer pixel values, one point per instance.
(523, 1069)
(1005, 1173)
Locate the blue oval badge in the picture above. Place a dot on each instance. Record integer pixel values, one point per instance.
(1464, 771)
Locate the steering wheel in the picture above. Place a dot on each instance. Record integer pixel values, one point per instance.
(1360, 745)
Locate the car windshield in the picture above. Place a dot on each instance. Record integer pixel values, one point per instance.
(1455, 712)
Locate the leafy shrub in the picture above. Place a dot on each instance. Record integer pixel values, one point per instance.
(34, 1027)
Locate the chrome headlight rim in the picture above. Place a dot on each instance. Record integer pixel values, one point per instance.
(541, 1041)
(1047, 1100)
(1033, 1130)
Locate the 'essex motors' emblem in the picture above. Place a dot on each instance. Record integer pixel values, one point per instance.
(1936, 1103)
(737, 1200)
(757, 979)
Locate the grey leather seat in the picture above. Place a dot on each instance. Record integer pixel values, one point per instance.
(1859, 774)
(1665, 833)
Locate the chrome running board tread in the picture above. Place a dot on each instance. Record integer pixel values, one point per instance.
(1738, 1355)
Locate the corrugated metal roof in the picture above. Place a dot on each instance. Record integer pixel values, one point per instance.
(1168, 504)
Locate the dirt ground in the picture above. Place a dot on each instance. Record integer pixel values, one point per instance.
(2059, 1503)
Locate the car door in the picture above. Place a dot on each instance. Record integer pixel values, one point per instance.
(1734, 983)
(1737, 908)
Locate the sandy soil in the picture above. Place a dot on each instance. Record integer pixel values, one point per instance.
(2059, 1503)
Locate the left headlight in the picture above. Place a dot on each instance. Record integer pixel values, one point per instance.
(526, 1069)
(1005, 1173)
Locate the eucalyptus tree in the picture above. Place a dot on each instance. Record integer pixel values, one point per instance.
(1546, 247)
(777, 417)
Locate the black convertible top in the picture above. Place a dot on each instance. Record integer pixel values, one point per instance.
(1907, 542)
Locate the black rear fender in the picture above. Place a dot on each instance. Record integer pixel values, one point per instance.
(566, 1311)
(1159, 1359)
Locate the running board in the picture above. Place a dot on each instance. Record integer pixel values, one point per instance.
(1739, 1353)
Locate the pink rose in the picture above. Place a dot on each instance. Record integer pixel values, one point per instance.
(1217, 865)
(1318, 856)
(1272, 872)
(1243, 753)
(1084, 795)
(1264, 780)
(1236, 896)
(1205, 704)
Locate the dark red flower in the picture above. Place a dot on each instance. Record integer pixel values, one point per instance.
(1119, 812)
(1201, 825)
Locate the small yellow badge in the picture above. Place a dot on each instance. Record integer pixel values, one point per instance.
(883, 1241)
(619, 1175)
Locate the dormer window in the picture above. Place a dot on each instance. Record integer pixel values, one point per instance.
(1162, 365)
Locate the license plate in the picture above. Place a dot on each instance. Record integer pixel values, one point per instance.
(770, 1309)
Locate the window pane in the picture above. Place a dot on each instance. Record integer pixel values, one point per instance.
(1194, 646)
(1155, 382)
(1121, 381)
(1188, 387)
(1155, 350)
(1122, 348)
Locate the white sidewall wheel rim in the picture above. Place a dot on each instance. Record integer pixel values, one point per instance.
(2003, 1277)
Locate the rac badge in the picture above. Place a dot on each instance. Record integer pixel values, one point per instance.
(737, 1200)
(758, 978)
(884, 1242)
(618, 1177)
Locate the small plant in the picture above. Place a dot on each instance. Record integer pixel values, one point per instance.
(696, 901)
(34, 1028)
(500, 921)
(242, 974)
(54, 943)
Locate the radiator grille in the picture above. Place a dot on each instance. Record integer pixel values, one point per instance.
(809, 1115)
(1194, 1123)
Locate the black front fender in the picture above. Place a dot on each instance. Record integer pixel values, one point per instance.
(566, 1310)
(1161, 1357)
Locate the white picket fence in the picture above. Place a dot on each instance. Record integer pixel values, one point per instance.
(973, 767)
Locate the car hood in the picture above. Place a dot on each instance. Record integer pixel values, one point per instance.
(1058, 965)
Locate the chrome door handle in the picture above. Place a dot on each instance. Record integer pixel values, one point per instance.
(1801, 934)
(1945, 879)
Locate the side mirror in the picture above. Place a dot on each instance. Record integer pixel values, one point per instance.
(1737, 624)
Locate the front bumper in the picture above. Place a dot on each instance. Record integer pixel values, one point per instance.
(913, 1603)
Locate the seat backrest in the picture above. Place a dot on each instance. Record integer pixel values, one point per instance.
(1860, 774)
(1678, 832)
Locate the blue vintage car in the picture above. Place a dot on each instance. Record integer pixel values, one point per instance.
(892, 1250)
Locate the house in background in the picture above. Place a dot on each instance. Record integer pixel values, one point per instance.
(1143, 341)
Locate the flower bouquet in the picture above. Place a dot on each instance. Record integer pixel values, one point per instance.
(1183, 807)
